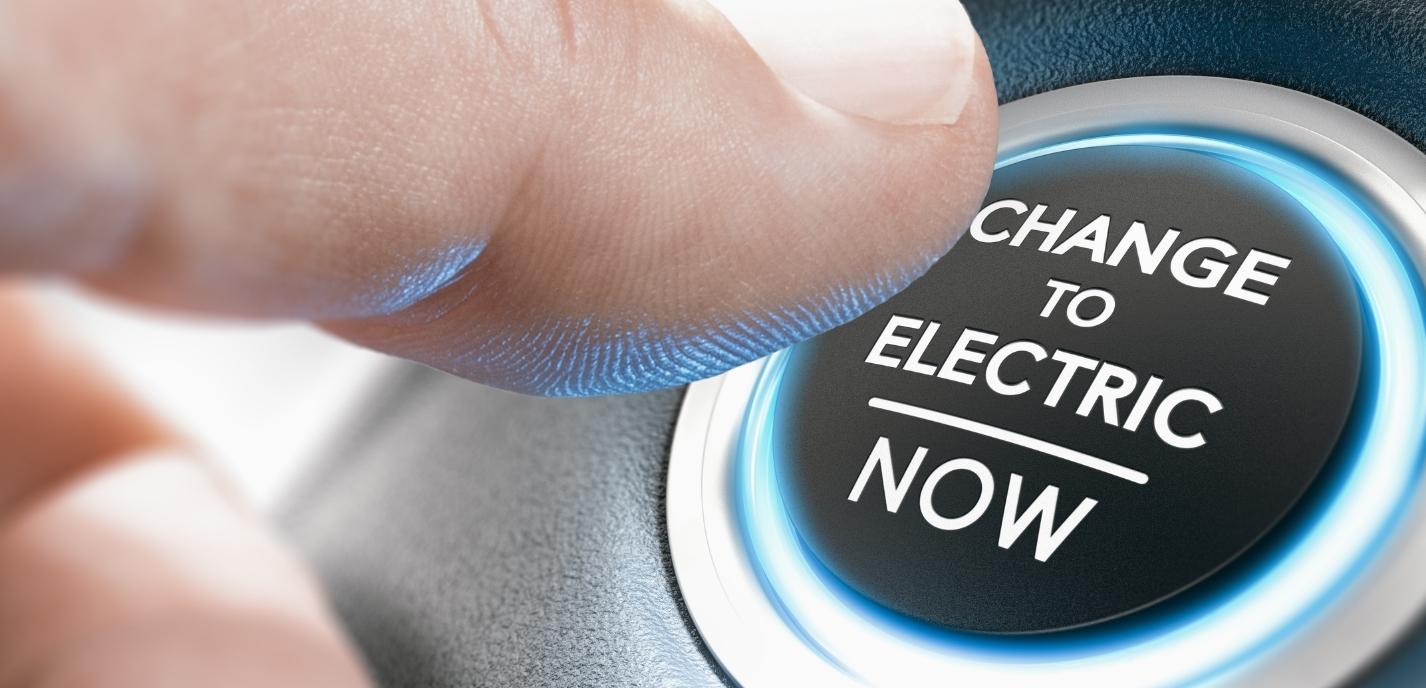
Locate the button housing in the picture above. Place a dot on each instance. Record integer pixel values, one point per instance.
(1326, 603)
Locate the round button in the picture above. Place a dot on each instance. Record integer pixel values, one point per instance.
(1123, 377)
(1227, 330)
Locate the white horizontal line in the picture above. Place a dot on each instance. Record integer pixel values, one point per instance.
(1004, 435)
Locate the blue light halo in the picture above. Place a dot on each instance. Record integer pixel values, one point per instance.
(876, 646)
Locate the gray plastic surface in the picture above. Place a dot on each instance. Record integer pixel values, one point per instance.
(474, 537)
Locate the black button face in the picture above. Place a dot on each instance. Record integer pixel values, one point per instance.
(1128, 372)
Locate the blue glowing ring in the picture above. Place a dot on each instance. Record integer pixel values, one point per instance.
(872, 645)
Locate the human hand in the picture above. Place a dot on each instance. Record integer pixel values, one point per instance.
(557, 198)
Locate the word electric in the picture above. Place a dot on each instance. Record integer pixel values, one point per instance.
(1109, 386)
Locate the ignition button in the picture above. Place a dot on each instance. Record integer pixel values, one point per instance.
(1156, 419)
(1127, 371)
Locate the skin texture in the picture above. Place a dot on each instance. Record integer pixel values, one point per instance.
(553, 197)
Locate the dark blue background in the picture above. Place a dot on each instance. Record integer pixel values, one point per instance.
(1367, 56)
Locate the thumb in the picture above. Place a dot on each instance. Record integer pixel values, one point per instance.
(694, 203)
(564, 198)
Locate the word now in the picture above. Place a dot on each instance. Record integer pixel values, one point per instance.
(1013, 522)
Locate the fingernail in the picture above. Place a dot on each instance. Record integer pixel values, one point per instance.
(898, 61)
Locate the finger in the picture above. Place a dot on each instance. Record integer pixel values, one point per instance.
(563, 197)
(123, 562)
(59, 414)
(144, 573)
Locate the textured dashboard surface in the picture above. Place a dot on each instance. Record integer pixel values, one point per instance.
(471, 537)
(1368, 55)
